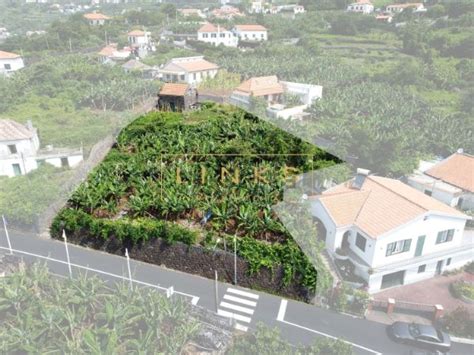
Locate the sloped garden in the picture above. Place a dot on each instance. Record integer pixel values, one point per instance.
(177, 188)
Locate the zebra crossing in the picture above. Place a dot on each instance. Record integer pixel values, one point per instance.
(239, 305)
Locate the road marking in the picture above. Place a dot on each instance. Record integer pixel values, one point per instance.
(243, 293)
(233, 316)
(194, 299)
(282, 310)
(237, 308)
(240, 300)
(241, 327)
(281, 318)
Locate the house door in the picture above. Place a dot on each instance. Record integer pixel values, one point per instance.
(393, 279)
(419, 245)
(439, 267)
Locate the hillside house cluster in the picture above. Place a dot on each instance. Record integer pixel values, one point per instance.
(20, 151)
(218, 35)
(361, 6)
(386, 14)
(392, 233)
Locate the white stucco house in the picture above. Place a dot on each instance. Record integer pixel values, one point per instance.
(251, 33)
(397, 8)
(217, 35)
(392, 233)
(190, 70)
(10, 62)
(450, 180)
(20, 150)
(361, 6)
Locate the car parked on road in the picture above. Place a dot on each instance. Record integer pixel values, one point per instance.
(420, 335)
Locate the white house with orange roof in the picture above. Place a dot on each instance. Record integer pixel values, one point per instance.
(190, 70)
(361, 6)
(96, 18)
(139, 38)
(397, 8)
(10, 62)
(217, 35)
(111, 53)
(392, 233)
(450, 180)
(267, 88)
(252, 33)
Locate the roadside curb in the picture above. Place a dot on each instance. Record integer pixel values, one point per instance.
(462, 340)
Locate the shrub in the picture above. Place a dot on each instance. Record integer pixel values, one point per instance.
(459, 323)
(138, 230)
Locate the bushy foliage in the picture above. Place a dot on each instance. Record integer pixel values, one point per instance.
(43, 314)
(156, 170)
(459, 323)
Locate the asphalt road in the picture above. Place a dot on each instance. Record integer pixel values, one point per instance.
(299, 322)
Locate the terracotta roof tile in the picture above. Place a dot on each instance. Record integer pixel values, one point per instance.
(170, 89)
(457, 170)
(96, 16)
(260, 86)
(381, 205)
(136, 33)
(250, 28)
(8, 55)
(11, 130)
(209, 27)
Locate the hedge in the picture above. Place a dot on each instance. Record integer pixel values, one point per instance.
(75, 221)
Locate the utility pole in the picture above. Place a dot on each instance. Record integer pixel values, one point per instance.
(7, 235)
(129, 270)
(216, 293)
(67, 254)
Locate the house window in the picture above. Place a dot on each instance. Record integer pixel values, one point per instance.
(445, 236)
(205, 35)
(421, 268)
(64, 162)
(182, 77)
(222, 35)
(194, 76)
(428, 192)
(361, 242)
(448, 262)
(398, 247)
(16, 169)
(7, 66)
(213, 35)
(12, 149)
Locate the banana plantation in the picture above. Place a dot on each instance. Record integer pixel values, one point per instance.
(199, 178)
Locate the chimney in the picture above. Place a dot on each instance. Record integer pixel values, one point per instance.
(460, 151)
(359, 179)
(29, 125)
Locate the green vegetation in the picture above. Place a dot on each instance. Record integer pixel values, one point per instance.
(462, 289)
(24, 198)
(459, 322)
(171, 167)
(40, 313)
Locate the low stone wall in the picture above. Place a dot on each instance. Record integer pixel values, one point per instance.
(199, 261)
